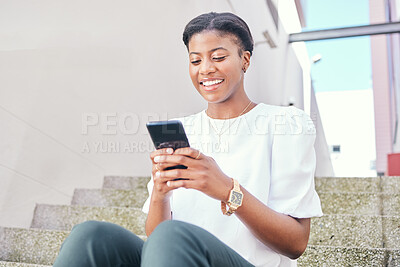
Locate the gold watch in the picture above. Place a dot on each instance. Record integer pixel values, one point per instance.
(235, 199)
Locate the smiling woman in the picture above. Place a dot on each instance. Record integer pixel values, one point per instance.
(217, 69)
(220, 47)
(265, 179)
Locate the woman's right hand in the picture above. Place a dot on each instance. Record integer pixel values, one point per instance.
(161, 192)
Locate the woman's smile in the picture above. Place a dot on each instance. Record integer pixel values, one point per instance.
(211, 84)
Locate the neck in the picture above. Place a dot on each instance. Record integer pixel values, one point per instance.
(229, 110)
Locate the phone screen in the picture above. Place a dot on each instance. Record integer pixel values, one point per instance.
(166, 134)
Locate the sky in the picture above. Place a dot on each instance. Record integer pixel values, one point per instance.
(346, 62)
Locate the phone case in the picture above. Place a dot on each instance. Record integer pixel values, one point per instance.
(166, 134)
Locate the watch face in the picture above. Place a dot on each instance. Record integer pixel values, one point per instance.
(236, 198)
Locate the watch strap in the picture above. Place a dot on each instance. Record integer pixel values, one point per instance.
(236, 186)
(232, 207)
(228, 212)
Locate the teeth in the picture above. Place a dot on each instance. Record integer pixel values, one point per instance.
(208, 83)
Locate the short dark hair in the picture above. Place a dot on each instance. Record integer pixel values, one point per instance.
(226, 23)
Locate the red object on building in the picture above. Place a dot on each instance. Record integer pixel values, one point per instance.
(394, 164)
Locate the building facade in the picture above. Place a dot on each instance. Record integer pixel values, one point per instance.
(78, 82)
(385, 52)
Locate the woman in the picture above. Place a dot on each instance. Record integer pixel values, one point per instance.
(255, 161)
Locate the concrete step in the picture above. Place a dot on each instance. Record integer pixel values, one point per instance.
(46, 243)
(355, 237)
(348, 256)
(60, 217)
(317, 256)
(110, 197)
(363, 231)
(334, 230)
(26, 247)
(19, 264)
(360, 203)
(30, 245)
(390, 184)
(126, 182)
(332, 202)
(386, 184)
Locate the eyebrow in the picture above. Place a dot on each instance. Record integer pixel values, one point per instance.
(212, 50)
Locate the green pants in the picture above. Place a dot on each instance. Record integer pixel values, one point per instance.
(172, 244)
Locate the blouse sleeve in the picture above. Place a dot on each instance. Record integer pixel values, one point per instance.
(293, 162)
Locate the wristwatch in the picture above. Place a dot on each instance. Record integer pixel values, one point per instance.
(235, 199)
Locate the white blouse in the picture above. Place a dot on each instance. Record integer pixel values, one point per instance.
(270, 151)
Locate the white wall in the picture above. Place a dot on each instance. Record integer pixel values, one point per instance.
(324, 166)
(66, 63)
(348, 118)
(60, 60)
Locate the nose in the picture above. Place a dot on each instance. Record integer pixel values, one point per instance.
(207, 67)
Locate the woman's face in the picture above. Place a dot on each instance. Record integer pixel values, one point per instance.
(215, 67)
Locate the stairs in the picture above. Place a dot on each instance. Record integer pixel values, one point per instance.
(361, 225)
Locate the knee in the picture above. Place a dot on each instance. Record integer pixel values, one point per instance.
(94, 243)
(166, 238)
(175, 239)
(94, 235)
(89, 230)
(170, 225)
(170, 229)
(172, 232)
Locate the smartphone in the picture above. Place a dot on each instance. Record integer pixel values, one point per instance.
(166, 134)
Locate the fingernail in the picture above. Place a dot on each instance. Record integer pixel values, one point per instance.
(170, 150)
(158, 174)
(169, 183)
(157, 158)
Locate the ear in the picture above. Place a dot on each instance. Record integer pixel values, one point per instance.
(246, 59)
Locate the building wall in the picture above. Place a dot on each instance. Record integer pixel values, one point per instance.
(325, 166)
(79, 80)
(395, 81)
(381, 87)
(349, 122)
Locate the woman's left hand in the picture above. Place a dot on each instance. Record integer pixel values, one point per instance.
(202, 174)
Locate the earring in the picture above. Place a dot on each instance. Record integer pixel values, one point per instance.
(244, 68)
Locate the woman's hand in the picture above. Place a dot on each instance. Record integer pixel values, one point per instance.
(161, 192)
(202, 174)
(160, 208)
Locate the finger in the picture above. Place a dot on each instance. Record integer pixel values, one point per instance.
(165, 180)
(175, 174)
(188, 151)
(160, 152)
(160, 167)
(163, 166)
(174, 159)
(156, 167)
(182, 183)
(161, 185)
